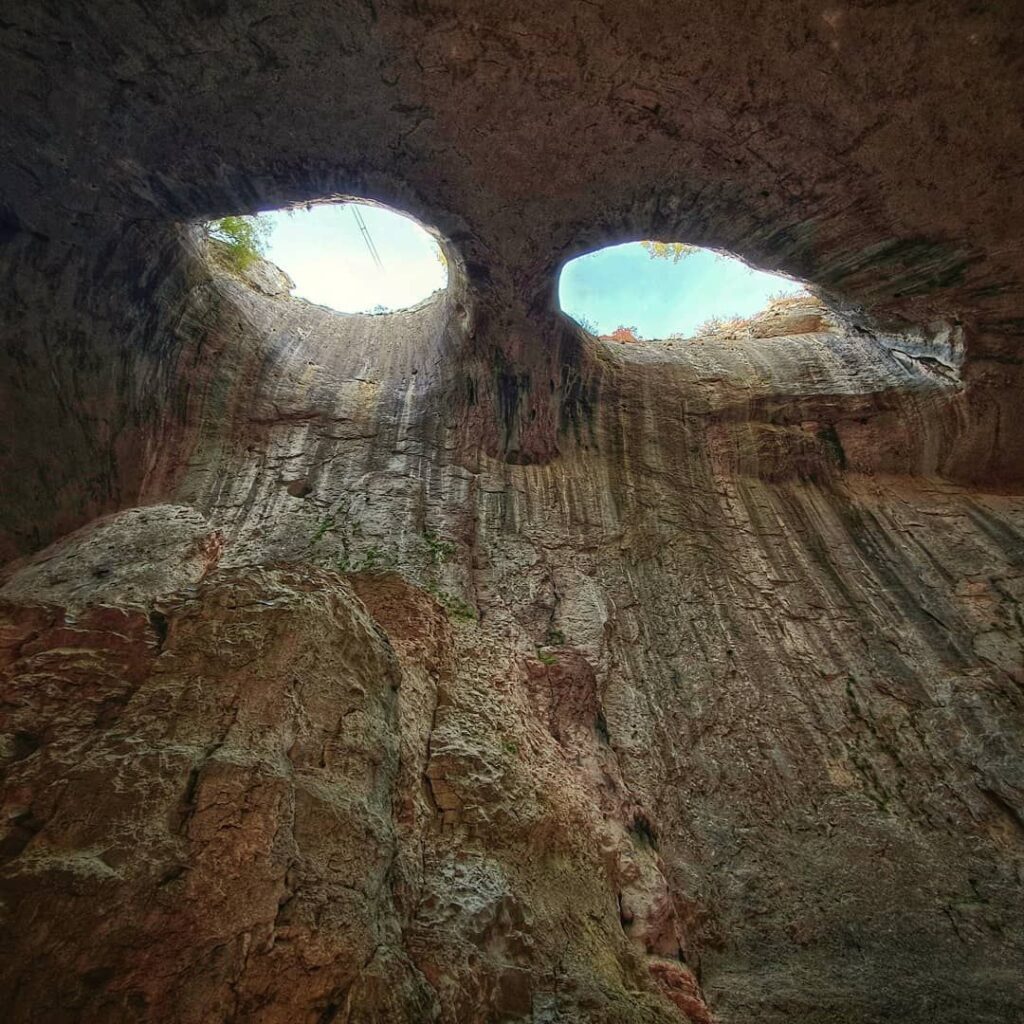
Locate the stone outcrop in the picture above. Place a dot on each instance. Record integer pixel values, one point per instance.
(454, 665)
(244, 802)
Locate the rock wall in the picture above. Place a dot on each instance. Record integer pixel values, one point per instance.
(453, 665)
(718, 707)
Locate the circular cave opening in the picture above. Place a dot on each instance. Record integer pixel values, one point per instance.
(656, 291)
(350, 256)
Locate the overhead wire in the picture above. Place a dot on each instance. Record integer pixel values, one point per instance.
(366, 236)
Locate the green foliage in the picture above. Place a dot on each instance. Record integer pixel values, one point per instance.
(453, 605)
(587, 324)
(438, 549)
(242, 240)
(674, 251)
(555, 638)
(546, 657)
(374, 559)
(328, 524)
(458, 608)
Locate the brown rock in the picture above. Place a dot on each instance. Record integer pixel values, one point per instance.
(672, 679)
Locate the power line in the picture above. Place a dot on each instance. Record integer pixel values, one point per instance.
(366, 235)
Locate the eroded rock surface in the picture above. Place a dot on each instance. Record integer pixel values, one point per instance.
(245, 805)
(456, 666)
(717, 712)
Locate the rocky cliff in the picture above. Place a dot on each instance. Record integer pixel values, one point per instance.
(454, 665)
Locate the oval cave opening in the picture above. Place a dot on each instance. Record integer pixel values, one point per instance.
(651, 290)
(352, 257)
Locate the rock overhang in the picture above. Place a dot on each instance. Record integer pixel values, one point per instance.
(522, 139)
(521, 148)
(760, 649)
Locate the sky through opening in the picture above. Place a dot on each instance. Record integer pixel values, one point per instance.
(622, 286)
(323, 251)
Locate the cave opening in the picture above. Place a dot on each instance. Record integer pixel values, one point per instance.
(457, 664)
(656, 290)
(347, 255)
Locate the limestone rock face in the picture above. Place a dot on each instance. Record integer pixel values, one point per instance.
(246, 805)
(122, 559)
(692, 722)
(221, 827)
(454, 665)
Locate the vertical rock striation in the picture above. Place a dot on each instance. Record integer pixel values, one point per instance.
(453, 665)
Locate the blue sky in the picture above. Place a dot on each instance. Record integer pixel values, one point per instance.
(325, 254)
(622, 286)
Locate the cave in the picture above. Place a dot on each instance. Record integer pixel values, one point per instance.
(458, 665)
(349, 256)
(656, 290)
